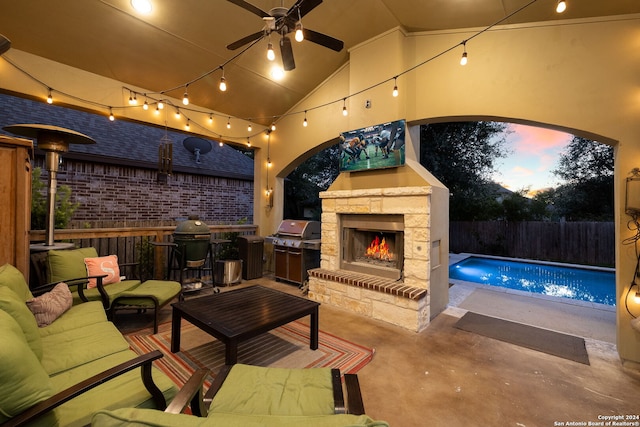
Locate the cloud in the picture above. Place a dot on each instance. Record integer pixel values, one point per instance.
(528, 140)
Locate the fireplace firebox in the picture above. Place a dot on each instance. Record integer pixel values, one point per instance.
(373, 244)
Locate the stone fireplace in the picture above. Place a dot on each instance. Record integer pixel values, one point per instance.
(405, 283)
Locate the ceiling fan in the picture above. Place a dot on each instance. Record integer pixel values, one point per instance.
(283, 21)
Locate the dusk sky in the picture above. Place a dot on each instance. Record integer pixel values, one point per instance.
(534, 153)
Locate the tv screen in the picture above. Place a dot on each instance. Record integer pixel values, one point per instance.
(374, 147)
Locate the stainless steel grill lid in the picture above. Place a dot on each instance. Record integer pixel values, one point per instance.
(300, 229)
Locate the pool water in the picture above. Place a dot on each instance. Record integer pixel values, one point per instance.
(569, 282)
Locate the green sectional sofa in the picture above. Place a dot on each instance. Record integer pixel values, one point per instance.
(60, 363)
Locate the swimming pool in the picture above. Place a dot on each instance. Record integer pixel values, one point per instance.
(583, 284)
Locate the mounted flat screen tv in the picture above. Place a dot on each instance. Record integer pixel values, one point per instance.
(374, 147)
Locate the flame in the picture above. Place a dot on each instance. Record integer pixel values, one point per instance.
(379, 249)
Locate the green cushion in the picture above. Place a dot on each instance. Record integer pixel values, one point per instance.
(12, 278)
(23, 381)
(16, 308)
(77, 316)
(144, 417)
(275, 391)
(163, 290)
(75, 347)
(123, 391)
(65, 264)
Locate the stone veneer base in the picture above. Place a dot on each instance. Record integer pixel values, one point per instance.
(382, 299)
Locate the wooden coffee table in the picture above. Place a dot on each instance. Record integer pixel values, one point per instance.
(240, 314)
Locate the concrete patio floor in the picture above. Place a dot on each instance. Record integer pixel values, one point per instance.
(443, 376)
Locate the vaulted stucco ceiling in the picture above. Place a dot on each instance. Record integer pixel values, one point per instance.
(181, 41)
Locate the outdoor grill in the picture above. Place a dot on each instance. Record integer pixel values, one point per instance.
(296, 247)
(192, 243)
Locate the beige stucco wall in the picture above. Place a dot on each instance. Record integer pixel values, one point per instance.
(579, 76)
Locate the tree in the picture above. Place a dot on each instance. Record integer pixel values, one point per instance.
(303, 185)
(462, 156)
(587, 168)
(64, 208)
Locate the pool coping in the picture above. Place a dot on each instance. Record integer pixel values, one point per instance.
(570, 301)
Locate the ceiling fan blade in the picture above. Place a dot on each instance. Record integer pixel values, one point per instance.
(286, 51)
(243, 41)
(323, 39)
(249, 7)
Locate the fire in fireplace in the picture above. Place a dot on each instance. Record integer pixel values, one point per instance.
(373, 244)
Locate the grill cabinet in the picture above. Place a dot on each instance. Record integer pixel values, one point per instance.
(296, 248)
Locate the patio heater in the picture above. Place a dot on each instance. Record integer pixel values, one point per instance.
(53, 140)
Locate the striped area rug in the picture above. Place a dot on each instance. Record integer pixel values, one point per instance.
(286, 346)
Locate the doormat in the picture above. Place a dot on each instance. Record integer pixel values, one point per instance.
(555, 343)
(285, 347)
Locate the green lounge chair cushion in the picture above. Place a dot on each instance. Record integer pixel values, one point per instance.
(14, 306)
(65, 265)
(12, 278)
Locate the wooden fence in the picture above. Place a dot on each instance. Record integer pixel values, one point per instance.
(128, 243)
(590, 243)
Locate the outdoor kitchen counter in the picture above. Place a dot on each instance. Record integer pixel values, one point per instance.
(237, 315)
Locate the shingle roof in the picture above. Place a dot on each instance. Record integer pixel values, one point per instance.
(122, 140)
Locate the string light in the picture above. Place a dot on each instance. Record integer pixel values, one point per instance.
(157, 110)
(304, 122)
(177, 113)
(344, 107)
(636, 298)
(395, 87)
(229, 123)
(210, 119)
(185, 97)
(464, 58)
(131, 101)
(221, 144)
(111, 117)
(248, 142)
(145, 106)
(49, 97)
(561, 6)
(273, 126)
(223, 81)
(160, 105)
(249, 128)
(188, 125)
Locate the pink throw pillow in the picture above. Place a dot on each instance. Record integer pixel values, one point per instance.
(103, 265)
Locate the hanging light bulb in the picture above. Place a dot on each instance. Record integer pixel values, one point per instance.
(561, 6)
(464, 58)
(344, 107)
(249, 128)
(299, 33)
(229, 123)
(111, 116)
(248, 142)
(268, 163)
(636, 298)
(210, 119)
(185, 97)
(145, 106)
(271, 55)
(395, 87)
(49, 97)
(157, 110)
(223, 82)
(221, 144)
(273, 126)
(188, 125)
(135, 99)
(177, 113)
(131, 101)
(142, 6)
(304, 122)
(160, 105)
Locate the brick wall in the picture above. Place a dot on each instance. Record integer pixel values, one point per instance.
(121, 194)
